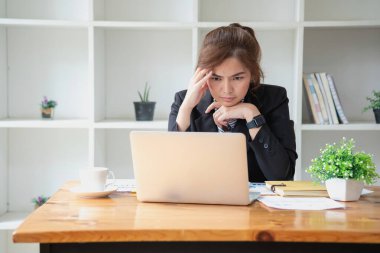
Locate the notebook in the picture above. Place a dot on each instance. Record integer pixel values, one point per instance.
(190, 167)
(297, 188)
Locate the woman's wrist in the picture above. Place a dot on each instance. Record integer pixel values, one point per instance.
(183, 118)
(250, 112)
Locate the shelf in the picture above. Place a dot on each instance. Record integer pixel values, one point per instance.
(256, 25)
(11, 220)
(343, 24)
(341, 10)
(342, 127)
(44, 123)
(83, 123)
(45, 9)
(129, 124)
(43, 23)
(143, 25)
(147, 10)
(247, 10)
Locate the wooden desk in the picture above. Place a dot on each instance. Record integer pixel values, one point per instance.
(70, 224)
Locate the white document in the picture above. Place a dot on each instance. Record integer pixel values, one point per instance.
(261, 188)
(300, 203)
(366, 191)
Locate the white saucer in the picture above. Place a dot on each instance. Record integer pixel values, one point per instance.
(85, 194)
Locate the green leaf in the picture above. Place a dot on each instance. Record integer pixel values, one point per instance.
(340, 161)
(141, 97)
(374, 102)
(145, 98)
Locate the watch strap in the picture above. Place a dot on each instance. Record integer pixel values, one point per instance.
(256, 122)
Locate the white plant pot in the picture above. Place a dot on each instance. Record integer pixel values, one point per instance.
(344, 189)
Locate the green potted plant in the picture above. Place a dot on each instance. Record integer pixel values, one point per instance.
(374, 104)
(39, 201)
(144, 109)
(47, 108)
(343, 170)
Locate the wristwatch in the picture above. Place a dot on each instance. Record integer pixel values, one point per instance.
(256, 122)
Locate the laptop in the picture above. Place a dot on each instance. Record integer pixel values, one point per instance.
(191, 167)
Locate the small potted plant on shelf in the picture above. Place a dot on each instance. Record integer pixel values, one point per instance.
(144, 110)
(47, 108)
(343, 170)
(39, 201)
(374, 105)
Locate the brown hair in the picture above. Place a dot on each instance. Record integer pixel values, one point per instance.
(234, 40)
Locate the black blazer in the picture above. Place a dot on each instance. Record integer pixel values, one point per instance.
(272, 154)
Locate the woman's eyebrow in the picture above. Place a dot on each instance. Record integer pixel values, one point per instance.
(240, 73)
(237, 74)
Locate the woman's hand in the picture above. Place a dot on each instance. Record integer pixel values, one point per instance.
(197, 88)
(240, 111)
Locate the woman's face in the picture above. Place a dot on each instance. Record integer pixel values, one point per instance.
(229, 82)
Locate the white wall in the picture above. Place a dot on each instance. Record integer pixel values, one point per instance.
(3, 73)
(327, 10)
(3, 171)
(50, 157)
(99, 66)
(2, 9)
(259, 10)
(101, 149)
(144, 10)
(54, 63)
(119, 157)
(48, 9)
(129, 53)
(3, 241)
(7, 245)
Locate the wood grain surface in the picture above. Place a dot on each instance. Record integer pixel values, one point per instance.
(120, 217)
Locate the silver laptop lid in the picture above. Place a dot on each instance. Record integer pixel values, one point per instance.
(183, 167)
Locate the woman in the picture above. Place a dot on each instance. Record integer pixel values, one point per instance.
(225, 94)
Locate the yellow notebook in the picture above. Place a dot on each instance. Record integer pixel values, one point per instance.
(297, 188)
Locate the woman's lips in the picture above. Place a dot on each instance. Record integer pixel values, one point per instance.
(227, 99)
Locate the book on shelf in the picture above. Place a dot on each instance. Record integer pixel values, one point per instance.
(338, 105)
(297, 188)
(320, 98)
(324, 96)
(323, 99)
(334, 116)
(313, 99)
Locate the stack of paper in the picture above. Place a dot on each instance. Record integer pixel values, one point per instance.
(300, 203)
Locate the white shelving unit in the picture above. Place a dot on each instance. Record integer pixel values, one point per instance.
(93, 55)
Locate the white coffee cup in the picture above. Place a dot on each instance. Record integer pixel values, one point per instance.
(94, 179)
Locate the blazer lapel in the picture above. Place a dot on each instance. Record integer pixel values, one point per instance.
(205, 123)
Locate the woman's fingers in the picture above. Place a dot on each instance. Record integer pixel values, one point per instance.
(197, 89)
(220, 116)
(204, 79)
(200, 76)
(212, 106)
